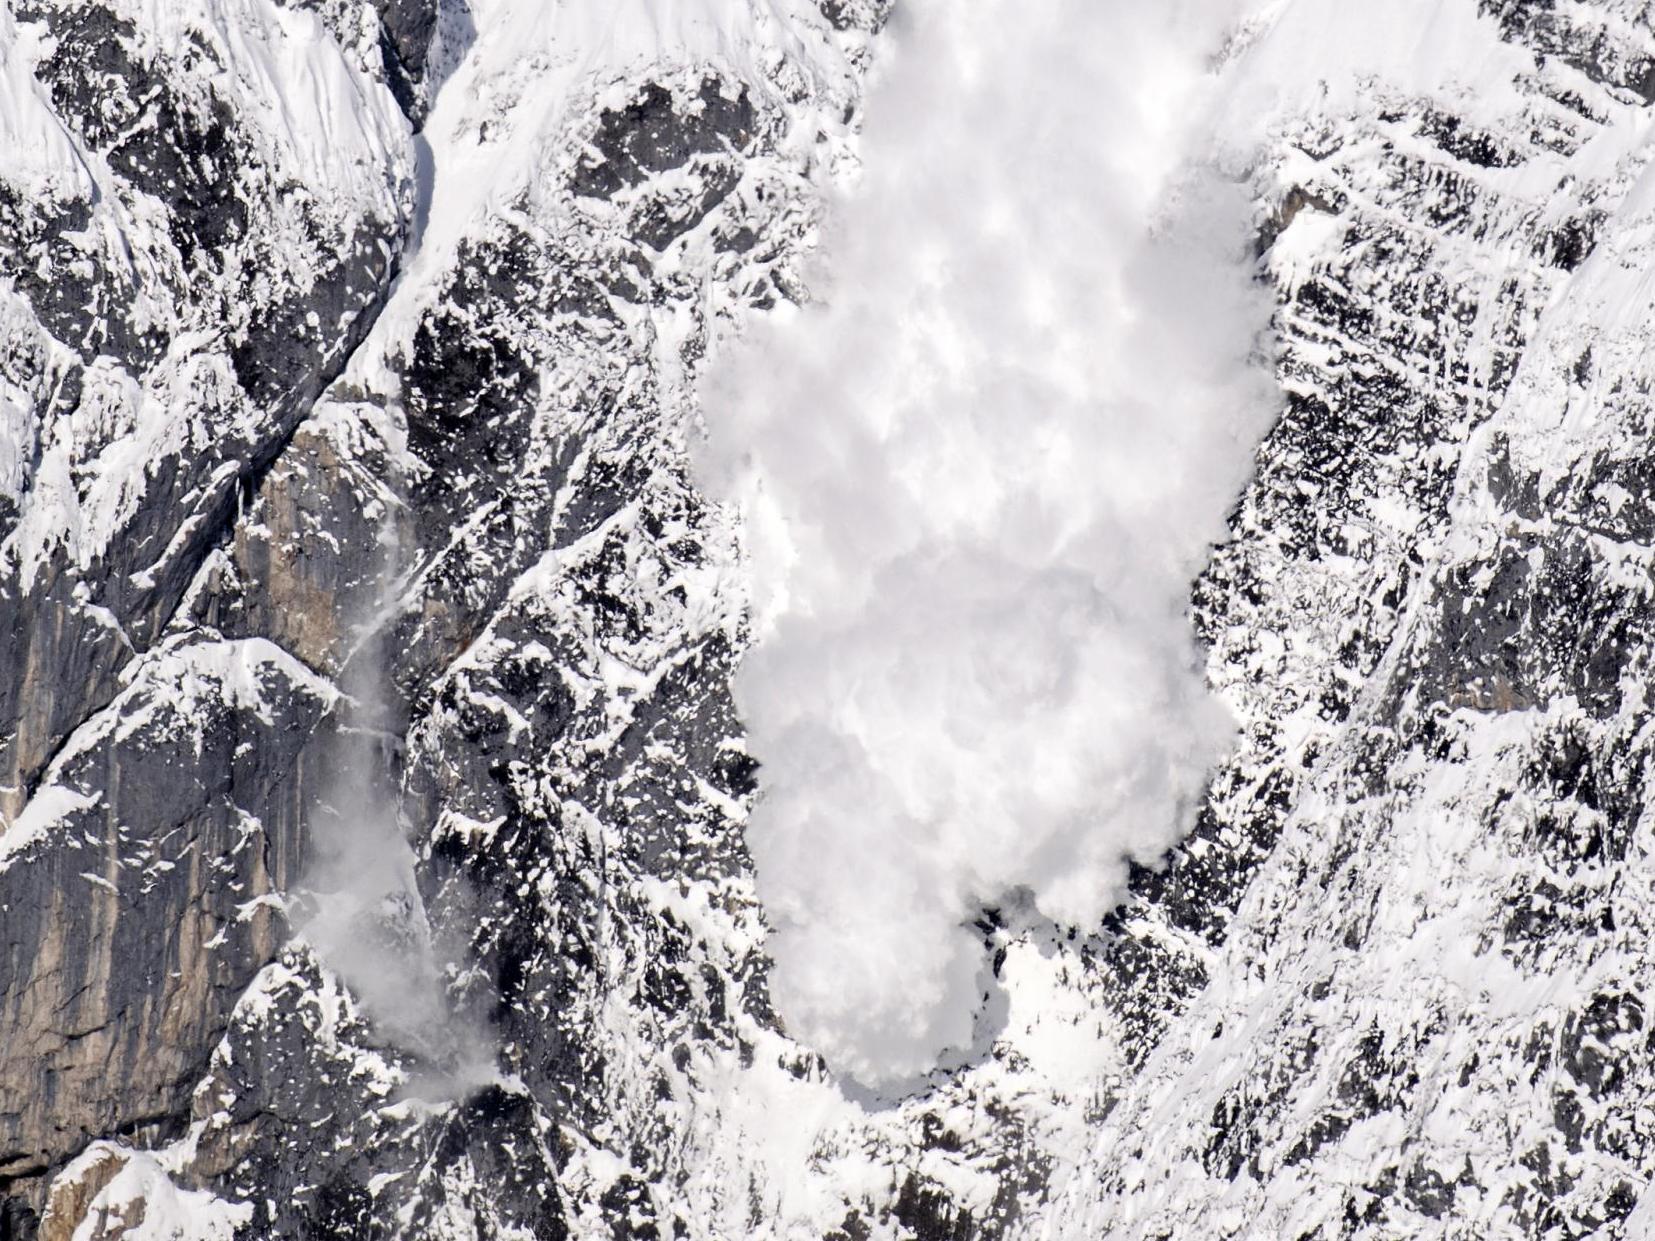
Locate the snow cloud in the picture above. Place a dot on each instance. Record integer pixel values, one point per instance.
(366, 919)
(978, 476)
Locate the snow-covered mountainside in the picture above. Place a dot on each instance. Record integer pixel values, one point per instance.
(349, 354)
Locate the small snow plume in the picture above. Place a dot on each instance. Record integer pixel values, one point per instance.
(978, 477)
(367, 920)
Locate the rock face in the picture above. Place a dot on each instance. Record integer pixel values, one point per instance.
(346, 361)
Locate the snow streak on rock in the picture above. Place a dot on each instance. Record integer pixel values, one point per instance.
(979, 475)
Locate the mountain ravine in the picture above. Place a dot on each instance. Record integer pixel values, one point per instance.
(348, 353)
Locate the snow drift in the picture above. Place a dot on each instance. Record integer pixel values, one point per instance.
(978, 476)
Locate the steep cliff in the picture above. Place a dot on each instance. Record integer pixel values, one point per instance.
(347, 372)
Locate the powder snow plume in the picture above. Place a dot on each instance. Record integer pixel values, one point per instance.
(366, 917)
(978, 475)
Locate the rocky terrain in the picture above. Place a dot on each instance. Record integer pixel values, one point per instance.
(347, 361)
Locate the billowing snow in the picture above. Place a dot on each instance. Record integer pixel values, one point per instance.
(978, 477)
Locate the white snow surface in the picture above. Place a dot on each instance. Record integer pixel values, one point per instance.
(141, 1202)
(307, 117)
(516, 106)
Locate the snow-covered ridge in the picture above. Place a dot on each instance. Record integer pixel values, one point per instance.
(303, 117)
(517, 111)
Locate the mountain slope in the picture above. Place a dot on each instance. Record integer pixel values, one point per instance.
(372, 859)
